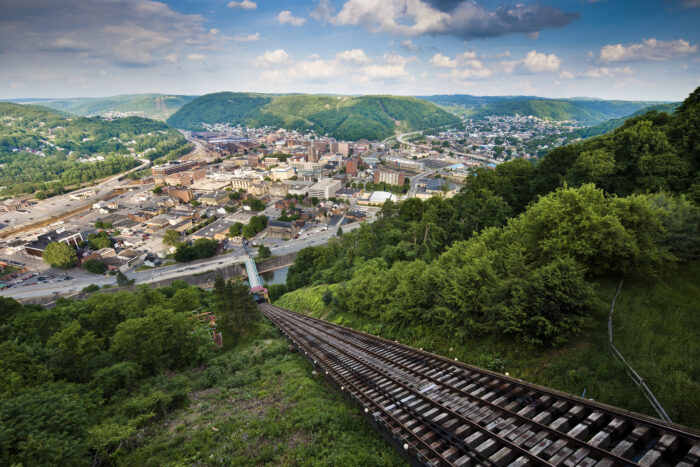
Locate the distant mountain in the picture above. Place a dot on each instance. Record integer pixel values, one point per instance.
(155, 106)
(613, 123)
(584, 110)
(343, 117)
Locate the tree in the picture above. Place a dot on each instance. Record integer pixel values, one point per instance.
(171, 237)
(235, 229)
(195, 203)
(248, 231)
(94, 266)
(99, 240)
(60, 255)
(264, 252)
(158, 190)
(339, 233)
(123, 281)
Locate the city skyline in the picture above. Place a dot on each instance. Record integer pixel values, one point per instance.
(605, 49)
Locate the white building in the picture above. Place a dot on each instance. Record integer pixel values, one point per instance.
(324, 188)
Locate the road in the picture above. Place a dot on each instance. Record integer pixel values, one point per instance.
(16, 221)
(76, 284)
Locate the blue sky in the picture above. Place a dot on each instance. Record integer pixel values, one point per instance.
(605, 48)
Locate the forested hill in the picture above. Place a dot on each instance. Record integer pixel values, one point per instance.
(343, 117)
(156, 106)
(45, 150)
(584, 111)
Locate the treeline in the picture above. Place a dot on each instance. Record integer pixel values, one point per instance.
(80, 380)
(517, 250)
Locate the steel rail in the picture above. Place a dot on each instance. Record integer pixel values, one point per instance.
(559, 434)
(438, 405)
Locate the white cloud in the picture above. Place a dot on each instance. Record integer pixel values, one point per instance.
(244, 4)
(467, 20)
(247, 37)
(286, 17)
(566, 74)
(354, 55)
(272, 57)
(604, 72)
(536, 62)
(648, 49)
(195, 57)
(409, 46)
(350, 65)
(441, 61)
(171, 58)
(214, 31)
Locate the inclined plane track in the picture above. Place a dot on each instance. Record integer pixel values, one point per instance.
(443, 412)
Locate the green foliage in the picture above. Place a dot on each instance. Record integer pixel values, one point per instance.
(99, 240)
(255, 204)
(94, 266)
(236, 311)
(347, 118)
(64, 140)
(60, 255)
(171, 237)
(123, 280)
(201, 248)
(91, 288)
(263, 252)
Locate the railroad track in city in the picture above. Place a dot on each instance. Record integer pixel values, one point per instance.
(439, 411)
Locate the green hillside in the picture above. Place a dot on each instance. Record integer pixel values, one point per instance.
(343, 117)
(155, 106)
(40, 148)
(585, 111)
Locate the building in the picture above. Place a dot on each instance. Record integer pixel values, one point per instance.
(37, 247)
(182, 193)
(324, 188)
(390, 177)
(187, 177)
(377, 198)
(159, 172)
(344, 149)
(356, 216)
(282, 173)
(278, 189)
(281, 229)
(313, 154)
(216, 198)
(217, 230)
(351, 167)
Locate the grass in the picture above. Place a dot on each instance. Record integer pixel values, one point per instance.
(143, 267)
(260, 404)
(655, 327)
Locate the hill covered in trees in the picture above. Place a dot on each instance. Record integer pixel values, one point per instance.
(155, 106)
(41, 149)
(517, 255)
(343, 117)
(585, 111)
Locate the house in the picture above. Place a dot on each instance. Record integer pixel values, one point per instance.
(151, 261)
(356, 216)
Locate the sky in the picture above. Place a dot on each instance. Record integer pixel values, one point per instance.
(612, 49)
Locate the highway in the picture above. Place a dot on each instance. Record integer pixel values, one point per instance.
(76, 284)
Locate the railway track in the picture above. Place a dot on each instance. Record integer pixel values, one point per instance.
(443, 412)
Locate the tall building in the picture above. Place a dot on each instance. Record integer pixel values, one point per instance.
(351, 166)
(313, 154)
(344, 148)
